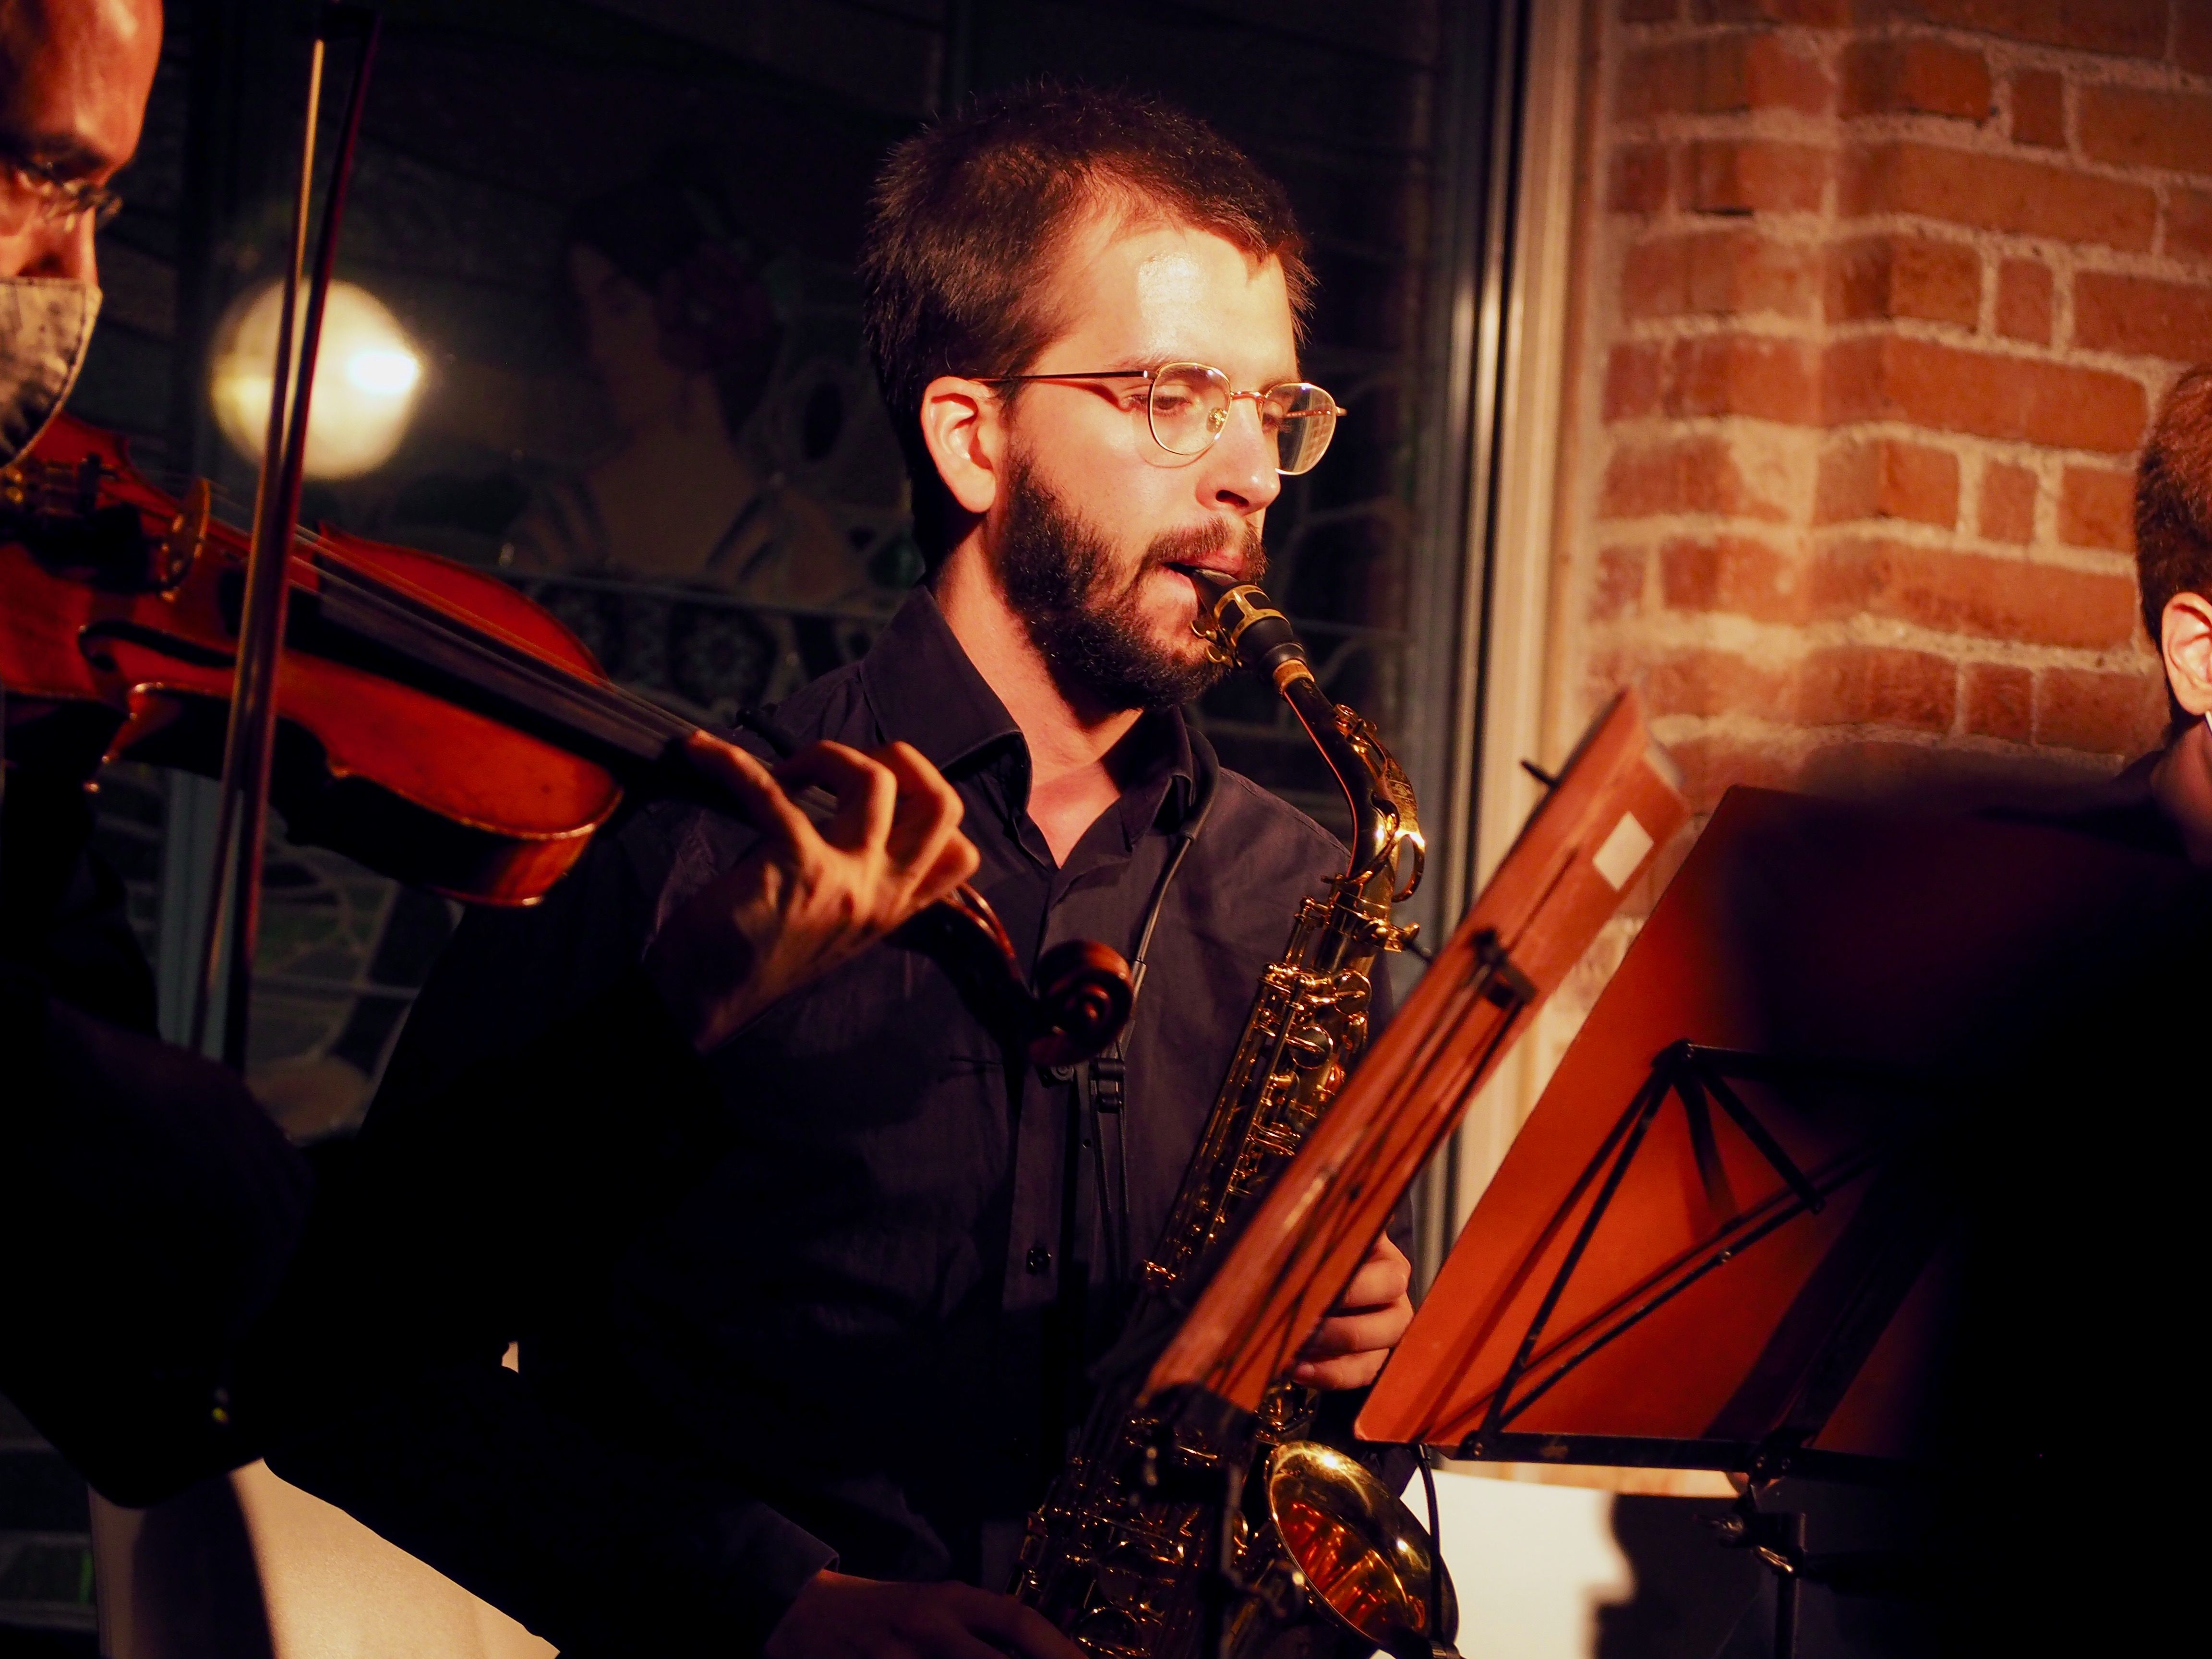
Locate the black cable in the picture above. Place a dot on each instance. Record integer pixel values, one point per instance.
(1435, 1553)
(1114, 1210)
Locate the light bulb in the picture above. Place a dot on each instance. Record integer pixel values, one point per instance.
(366, 375)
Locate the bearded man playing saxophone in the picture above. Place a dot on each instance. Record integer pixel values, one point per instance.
(863, 1328)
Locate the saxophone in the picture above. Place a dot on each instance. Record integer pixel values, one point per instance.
(1172, 1535)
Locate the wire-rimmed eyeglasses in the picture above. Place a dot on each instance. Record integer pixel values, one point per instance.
(31, 189)
(1187, 406)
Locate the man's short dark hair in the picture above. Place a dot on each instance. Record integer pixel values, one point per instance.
(970, 214)
(2174, 499)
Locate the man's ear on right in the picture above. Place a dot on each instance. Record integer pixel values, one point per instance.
(2185, 645)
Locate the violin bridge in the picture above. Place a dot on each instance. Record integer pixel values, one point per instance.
(173, 557)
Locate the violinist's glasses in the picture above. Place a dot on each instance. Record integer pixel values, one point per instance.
(1187, 405)
(33, 190)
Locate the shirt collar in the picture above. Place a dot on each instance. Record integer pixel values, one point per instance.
(924, 690)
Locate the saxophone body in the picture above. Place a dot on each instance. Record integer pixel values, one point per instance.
(1160, 1537)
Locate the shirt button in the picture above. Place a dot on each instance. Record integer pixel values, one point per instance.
(1039, 1259)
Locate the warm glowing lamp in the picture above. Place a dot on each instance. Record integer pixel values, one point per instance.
(365, 381)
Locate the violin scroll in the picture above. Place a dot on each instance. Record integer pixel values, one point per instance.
(1083, 997)
(1076, 1005)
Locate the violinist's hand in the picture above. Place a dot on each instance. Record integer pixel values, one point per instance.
(806, 901)
(1348, 1348)
(838, 1617)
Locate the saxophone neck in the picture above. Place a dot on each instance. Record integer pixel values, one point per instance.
(1242, 626)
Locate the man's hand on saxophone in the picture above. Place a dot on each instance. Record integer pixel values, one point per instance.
(1348, 1349)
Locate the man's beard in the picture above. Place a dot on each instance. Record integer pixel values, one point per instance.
(1060, 576)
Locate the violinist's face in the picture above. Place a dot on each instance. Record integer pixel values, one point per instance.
(74, 79)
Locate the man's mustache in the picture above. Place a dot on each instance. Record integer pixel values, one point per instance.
(1198, 542)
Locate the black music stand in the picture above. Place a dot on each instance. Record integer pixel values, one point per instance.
(1733, 1233)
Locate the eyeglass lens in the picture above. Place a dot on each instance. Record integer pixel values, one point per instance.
(24, 197)
(1189, 408)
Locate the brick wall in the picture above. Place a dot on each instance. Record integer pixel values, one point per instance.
(1880, 297)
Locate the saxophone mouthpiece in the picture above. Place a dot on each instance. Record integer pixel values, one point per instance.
(1243, 627)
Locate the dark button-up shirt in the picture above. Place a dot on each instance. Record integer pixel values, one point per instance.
(845, 1319)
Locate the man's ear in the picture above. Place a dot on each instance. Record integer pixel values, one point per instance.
(964, 426)
(2186, 642)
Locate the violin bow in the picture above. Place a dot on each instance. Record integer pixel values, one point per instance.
(250, 739)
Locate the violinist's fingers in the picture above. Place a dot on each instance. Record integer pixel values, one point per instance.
(866, 793)
(925, 823)
(956, 862)
(753, 788)
(928, 805)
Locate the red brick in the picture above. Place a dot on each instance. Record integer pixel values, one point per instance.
(2097, 509)
(1638, 182)
(2192, 36)
(1886, 479)
(2189, 225)
(1631, 380)
(1655, 278)
(2100, 713)
(1998, 192)
(1814, 13)
(2142, 316)
(1915, 76)
(1753, 175)
(1649, 11)
(1618, 590)
(1967, 594)
(1659, 81)
(2000, 702)
(1875, 686)
(2009, 503)
(1681, 475)
(1719, 273)
(1905, 276)
(2024, 301)
(1712, 683)
(2039, 108)
(1951, 389)
(2136, 126)
(1937, 776)
(1713, 765)
(1729, 574)
(1741, 375)
(2133, 28)
(1720, 75)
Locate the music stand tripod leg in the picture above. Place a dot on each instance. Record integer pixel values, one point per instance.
(1787, 1581)
(1777, 1538)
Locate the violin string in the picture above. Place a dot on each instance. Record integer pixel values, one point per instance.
(548, 677)
(317, 541)
(639, 712)
(519, 655)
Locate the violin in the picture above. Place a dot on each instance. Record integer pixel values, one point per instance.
(434, 722)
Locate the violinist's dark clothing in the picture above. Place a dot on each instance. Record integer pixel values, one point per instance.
(147, 1210)
(63, 917)
(187, 1291)
(843, 1328)
(148, 1205)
